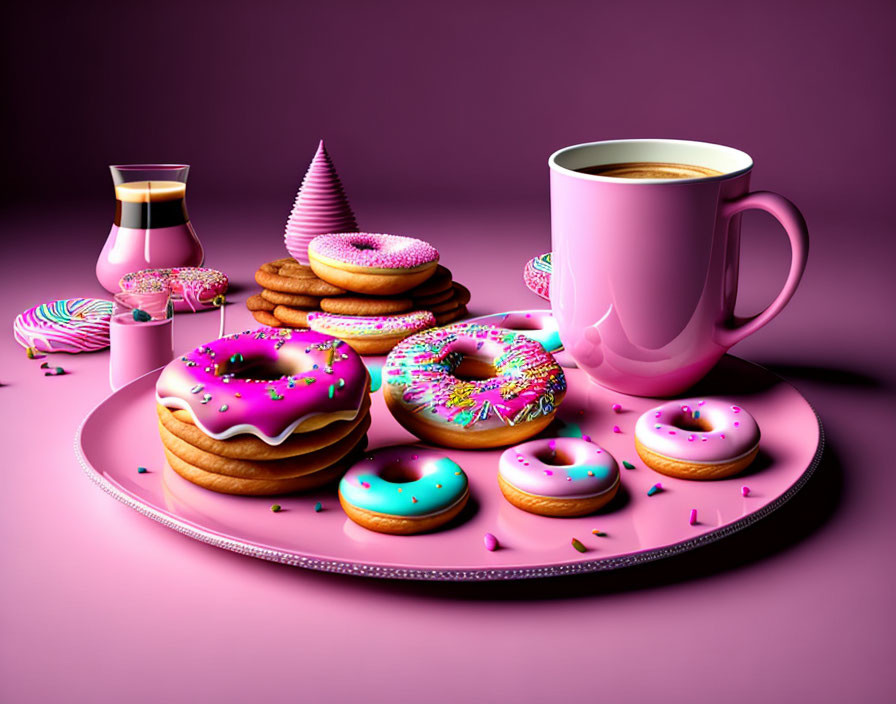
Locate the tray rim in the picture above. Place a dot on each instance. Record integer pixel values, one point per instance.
(361, 569)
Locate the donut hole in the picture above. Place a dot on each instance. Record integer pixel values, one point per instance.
(259, 369)
(400, 473)
(694, 425)
(473, 368)
(555, 458)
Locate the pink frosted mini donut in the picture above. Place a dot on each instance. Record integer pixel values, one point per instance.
(372, 263)
(537, 275)
(403, 490)
(67, 325)
(369, 334)
(191, 287)
(558, 476)
(268, 382)
(697, 438)
(472, 386)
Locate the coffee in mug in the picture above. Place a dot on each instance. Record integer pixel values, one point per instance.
(646, 247)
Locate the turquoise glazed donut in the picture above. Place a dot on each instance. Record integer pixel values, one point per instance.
(403, 490)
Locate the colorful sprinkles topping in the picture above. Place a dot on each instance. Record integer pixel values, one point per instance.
(373, 250)
(352, 326)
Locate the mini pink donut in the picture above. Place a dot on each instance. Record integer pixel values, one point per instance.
(558, 476)
(267, 382)
(191, 287)
(371, 334)
(697, 438)
(67, 325)
(372, 263)
(472, 386)
(537, 275)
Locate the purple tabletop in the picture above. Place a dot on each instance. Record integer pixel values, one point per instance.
(116, 605)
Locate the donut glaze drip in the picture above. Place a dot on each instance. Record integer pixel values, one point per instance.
(593, 470)
(264, 382)
(698, 430)
(67, 325)
(374, 251)
(527, 383)
(437, 482)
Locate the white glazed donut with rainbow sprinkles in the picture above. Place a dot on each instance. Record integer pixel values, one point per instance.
(371, 334)
(472, 386)
(697, 438)
(68, 325)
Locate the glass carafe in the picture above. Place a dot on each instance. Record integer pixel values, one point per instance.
(152, 229)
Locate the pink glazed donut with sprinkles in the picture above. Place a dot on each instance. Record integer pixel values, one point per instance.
(192, 287)
(697, 438)
(268, 383)
(558, 476)
(472, 386)
(371, 263)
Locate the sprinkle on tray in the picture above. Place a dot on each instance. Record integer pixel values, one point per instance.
(276, 508)
(617, 408)
(318, 507)
(491, 542)
(655, 489)
(616, 429)
(599, 533)
(56, 371)
(693, 517)
(142, 470)
(577, 544)
(745, 491)
(627, 464)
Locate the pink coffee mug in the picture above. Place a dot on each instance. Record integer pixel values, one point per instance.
(645, 270)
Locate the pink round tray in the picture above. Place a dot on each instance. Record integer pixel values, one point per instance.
(120, 435)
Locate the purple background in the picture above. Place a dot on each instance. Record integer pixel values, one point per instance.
(440, 121)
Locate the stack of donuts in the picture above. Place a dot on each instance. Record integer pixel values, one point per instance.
(371, 290)
(269, 411)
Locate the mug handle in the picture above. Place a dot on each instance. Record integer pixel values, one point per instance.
(794, 225)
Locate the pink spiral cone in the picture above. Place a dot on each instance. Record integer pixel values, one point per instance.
(320, 207)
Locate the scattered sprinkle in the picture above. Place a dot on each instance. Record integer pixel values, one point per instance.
(616, 429)
(577, 544)
(274, 395)
(627, 464)
(693, 518)
(142, 470)
(141, 316)
(491, 542)
(276, 508)
(45, 365)
(745, 491)
(237, 358)
(617, 408)
(57, 371)
(32, 353)
(413, 499)
(586, 438)
(655, 489)
(598, 533)
(331, 391)
(318, 507)
(223, 408)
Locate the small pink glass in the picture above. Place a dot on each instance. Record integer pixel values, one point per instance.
(140, 335)
(152, 229)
